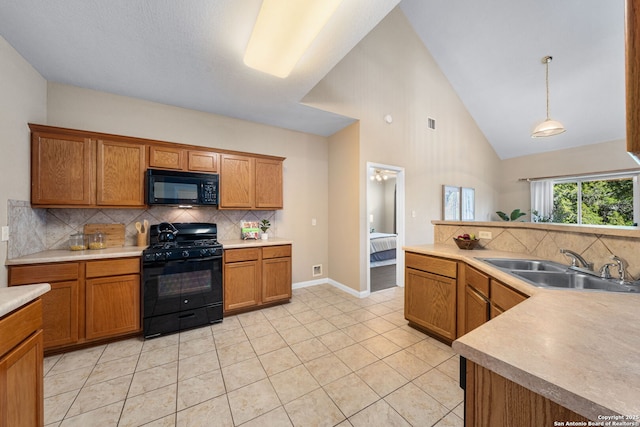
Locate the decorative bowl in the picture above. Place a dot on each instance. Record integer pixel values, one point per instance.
(466, 244)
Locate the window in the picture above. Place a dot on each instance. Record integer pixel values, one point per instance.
(594, 200)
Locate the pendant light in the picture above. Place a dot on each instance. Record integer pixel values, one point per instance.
(548, 127)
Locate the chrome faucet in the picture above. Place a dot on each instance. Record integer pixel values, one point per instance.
(621, 268)
(575, 258)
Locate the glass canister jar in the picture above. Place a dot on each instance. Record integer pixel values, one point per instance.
(97, 241)
(76, 242)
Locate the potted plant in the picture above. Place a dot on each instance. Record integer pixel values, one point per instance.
(264, 226)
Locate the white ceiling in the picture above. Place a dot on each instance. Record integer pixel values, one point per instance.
(189, 54)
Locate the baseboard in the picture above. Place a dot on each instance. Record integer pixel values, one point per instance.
(345, 288)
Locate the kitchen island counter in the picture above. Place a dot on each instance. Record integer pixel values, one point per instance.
(576, 348)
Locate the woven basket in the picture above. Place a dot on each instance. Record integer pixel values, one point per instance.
(466, 244)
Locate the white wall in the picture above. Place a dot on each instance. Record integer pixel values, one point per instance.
(391, 72)
(305, 167)
(23, 94)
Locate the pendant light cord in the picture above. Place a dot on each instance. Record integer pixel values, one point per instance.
(547, 59)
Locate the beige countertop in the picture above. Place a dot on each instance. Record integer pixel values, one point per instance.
(251, 243)
(577, 348)
(62, 255)
(17, 296)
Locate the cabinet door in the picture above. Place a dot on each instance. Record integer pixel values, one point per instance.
(476, 309)
(276, 279)
(237, 178)
(430, 302)
(61, 170)
(203, 161)
(268, 184)
(166, 157)
(112, 306)
(21, 384)
(120, 173)
(503, 298)
(241, 285)
(60, 307)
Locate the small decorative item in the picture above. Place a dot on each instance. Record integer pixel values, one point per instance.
(249, 230)
(264, 226)
(515, 214)
(466, 241)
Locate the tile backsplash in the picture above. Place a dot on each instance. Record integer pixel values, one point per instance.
(546, 244)
(35, 230)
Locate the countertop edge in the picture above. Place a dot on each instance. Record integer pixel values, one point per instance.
(14, 297)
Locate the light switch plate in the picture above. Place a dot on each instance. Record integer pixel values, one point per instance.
(5, 233)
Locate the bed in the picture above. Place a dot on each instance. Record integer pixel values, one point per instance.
(383, 249)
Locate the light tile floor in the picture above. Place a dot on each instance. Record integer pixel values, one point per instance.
(325, 359)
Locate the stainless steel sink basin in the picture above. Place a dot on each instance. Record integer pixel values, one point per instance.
(573, 280)
(549, 274)
(524, 264)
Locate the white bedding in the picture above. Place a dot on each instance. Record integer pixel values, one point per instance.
(382, 249)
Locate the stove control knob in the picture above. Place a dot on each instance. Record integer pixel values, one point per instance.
(159, 255)
(185, 254)
(204, 252)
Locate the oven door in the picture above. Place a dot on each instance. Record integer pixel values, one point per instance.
(181, 285)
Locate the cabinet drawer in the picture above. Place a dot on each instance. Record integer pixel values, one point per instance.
(477, 280)
(42, 273)
(431, 264)
(18, 325)
(237, 255)
(113, 267)
(503, 296)
(276, 251)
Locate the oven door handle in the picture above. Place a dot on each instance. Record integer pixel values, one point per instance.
(209, 258)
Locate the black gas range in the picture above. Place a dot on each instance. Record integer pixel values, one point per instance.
(182, 278)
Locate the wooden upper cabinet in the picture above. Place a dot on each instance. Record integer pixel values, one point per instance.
(268, 184)
(62, 170)
(202, 161)
(120, 173)
(163, 157)
(237, 178)
(632, 44)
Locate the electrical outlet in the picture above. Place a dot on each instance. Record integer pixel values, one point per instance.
(484, 234)
(313, 221)
(5, 233)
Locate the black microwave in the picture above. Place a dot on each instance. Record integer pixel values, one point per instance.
(181, 188)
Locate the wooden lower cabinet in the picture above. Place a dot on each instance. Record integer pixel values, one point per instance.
(492, 400)
(254, 277)
(101, 301)
(430, 298)
(485, 298)
(112, 306)
(503, 298)
(276, 273)
(241, 279)
(21, 367)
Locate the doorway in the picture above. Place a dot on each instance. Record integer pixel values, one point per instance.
(385, 223)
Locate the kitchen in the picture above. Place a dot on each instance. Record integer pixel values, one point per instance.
(321, 174)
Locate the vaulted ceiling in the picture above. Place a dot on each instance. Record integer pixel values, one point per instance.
(189, 54)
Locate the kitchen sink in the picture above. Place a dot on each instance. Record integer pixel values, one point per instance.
(524, 264)
(573, 280)
(549, 274)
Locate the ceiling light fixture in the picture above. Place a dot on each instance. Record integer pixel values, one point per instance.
(548, 127)
(283, 32)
